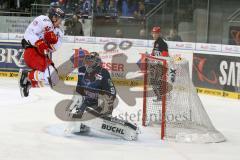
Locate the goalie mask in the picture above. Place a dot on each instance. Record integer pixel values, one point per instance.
(92, 61)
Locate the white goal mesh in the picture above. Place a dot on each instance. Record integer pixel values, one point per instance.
(171, 102)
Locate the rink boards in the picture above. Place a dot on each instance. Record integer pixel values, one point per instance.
(214, 68)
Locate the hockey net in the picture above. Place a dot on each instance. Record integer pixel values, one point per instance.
(171, 102)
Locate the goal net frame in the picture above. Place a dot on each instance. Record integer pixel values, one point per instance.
(145, 69)
(203, 131)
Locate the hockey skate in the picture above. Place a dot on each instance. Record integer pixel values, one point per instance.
(157, 100)
(24, 83)
(83, 128)
(78, 114)
(76, 128)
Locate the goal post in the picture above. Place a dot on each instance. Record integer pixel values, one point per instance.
(171, 103)
(146, 67)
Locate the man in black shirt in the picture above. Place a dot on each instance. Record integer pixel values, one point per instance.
(160, 47)
(157, 71)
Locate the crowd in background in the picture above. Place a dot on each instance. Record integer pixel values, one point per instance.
(77, 9)
(113, 8)
(135, 8)
(80, 7)
(23, 6)
(74, 27)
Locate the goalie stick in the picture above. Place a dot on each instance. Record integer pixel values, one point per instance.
(110, 118)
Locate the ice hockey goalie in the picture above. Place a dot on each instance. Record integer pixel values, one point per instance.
(93, 102)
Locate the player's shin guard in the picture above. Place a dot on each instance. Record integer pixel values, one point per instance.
(24, 83)
(43, 78)
(35, 77)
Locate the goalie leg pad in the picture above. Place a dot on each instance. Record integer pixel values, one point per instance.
(107, 105)
(76, 127)
(113, 126)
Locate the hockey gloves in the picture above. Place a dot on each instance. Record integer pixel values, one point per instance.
(46, 44)
(50, 37)
(42, 46)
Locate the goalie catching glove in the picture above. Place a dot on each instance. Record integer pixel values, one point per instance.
(99, 100)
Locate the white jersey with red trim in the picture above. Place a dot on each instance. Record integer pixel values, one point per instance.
(38, 27)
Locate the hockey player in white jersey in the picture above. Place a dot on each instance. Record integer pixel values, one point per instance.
(95, 95)
(42, 36)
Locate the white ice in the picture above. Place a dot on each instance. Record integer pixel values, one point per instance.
(31, 131)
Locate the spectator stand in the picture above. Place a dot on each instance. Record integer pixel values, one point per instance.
(19, 8)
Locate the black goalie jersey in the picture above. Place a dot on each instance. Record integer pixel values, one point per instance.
(90, 85)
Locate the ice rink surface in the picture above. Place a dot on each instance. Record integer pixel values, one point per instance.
(31, 131)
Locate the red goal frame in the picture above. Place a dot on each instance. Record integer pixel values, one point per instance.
(144, 68)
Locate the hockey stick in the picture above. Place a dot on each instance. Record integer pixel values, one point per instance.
(110, 118)
(19, 79)
(52, 64)
(49, 78)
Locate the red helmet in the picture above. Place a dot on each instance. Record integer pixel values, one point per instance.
(156, 29)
